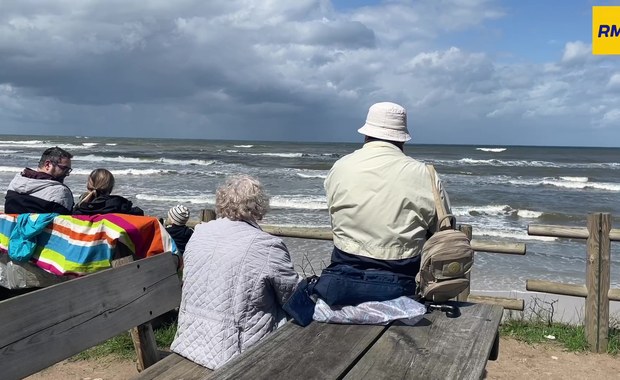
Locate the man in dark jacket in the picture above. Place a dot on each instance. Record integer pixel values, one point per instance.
(42, 190)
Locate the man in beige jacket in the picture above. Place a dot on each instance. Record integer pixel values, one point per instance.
(382, 210)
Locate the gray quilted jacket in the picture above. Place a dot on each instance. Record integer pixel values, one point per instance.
(236, 278)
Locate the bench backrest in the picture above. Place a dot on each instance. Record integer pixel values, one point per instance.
(46, 326)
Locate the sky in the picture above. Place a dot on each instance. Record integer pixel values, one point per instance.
(468, 71)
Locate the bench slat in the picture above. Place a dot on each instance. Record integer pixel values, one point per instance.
(174, 367)
(54, 323)
(436, 348)
(317, 351)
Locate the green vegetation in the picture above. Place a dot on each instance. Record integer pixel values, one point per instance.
(121, 346)
(536, 325)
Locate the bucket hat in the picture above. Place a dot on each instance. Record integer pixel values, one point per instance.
(386, 121)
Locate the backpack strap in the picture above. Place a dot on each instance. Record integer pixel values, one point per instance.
(444, 220)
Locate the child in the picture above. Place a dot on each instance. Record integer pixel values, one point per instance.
(175, 225)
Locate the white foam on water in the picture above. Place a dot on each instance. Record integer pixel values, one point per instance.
(528, 214)
(515, 235)
(243, 146)
(193, 199)
(136, 160)
(90, 144)
(299, 202)
(493, 150)
(284, 155)
(312, 174)
(576, 183)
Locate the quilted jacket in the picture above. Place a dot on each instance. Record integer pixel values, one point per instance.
(236, 278)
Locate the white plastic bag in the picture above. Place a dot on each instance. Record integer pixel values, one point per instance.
(402, 308)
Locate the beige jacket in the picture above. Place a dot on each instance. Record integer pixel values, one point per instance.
(381, 203)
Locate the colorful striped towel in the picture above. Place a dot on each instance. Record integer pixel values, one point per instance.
(82, 244)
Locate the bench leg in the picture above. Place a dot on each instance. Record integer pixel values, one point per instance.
(145, 345)
(494, 354)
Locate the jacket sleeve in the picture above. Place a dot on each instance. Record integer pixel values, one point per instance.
(283, 276)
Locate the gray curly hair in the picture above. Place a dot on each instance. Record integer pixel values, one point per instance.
(241, 198)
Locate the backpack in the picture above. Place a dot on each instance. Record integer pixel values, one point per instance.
(446, 258)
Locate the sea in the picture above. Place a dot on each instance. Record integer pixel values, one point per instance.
(499, 190)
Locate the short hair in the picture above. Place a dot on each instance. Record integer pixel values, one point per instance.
(241, 198)
(101, 181)
(54, 155)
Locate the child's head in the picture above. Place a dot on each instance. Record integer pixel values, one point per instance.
(178, 215)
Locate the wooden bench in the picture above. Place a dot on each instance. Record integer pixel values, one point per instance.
(48, 325)
(436, 348)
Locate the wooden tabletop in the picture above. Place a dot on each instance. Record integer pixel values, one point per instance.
(437, 347)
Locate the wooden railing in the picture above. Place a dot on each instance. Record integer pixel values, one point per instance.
(324, 233)
(596, 290)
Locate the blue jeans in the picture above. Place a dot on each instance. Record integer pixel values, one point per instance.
(341, 284)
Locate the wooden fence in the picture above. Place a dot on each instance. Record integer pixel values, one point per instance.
(324, 233)
(596, 291)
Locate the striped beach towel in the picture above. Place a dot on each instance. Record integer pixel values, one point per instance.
(82, 244)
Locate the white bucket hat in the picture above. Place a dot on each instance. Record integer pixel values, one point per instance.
(386, 121)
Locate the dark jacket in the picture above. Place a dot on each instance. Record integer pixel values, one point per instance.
(180, 235)
(38, 192)
(106, 204)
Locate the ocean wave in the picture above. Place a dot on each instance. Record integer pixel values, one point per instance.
(496, 162)
(312, 174)
(111, 144)
(494, 210)
(7, 151)
(575, 183)
(574, 179)
(494, 150)
(299, 202)
(90, 144)
(22, 142)
(298, 155)
(231, 151)
(524, 163)
(193, 199)
(243, 146)
(136, 160)
(515, 235)
(283, 155)
(10, 169)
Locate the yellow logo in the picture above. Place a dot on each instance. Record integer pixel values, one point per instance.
(605, 30)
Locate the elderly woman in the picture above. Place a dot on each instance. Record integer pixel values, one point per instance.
(235, 280)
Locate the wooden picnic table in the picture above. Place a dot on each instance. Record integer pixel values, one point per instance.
(437, 347)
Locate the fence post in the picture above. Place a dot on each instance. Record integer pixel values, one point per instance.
(467, 230)
(597, 281)
(207, 215)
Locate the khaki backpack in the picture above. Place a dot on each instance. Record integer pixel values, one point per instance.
(447, 257)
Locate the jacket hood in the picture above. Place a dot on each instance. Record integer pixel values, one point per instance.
(25, 185)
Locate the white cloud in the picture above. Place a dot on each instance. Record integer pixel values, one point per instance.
(282, 69)
(576, 51)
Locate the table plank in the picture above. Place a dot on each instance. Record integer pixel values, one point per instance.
(317, 351)
(436, 348)
(173, 367)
